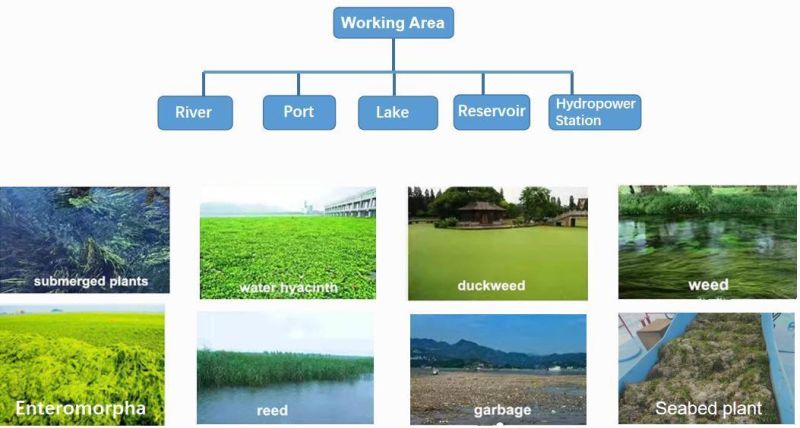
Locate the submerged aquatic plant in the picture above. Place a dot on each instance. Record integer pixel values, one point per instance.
(720, 358)
(79, 232)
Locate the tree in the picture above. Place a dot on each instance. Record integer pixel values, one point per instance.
(535, 203)
(572, 205)
(448, 203)
(513, 211)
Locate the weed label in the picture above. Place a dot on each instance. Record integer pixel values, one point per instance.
(709, 286)
(708, 409)
(491, 286)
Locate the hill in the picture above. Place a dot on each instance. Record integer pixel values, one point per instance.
(428, 352)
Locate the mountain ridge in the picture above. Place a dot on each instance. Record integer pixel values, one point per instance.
(467, 354)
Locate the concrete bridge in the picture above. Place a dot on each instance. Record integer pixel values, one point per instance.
(364, 204)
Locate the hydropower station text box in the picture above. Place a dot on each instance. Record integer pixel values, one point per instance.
(493, 112)
(299, 112)
(595, 112)
(393, 22)
(195, 113)
(401, 113)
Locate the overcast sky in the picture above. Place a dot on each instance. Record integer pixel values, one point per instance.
(512, 193)
(288, 198)
(83, 308)
(321, 333)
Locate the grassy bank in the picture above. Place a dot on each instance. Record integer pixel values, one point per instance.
(302, 250)
(222, 368)
(705, 200)
(82, 358)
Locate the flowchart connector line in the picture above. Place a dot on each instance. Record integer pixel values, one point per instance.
(472, 111)
(572, 83)
(394, 70)
(354, 72)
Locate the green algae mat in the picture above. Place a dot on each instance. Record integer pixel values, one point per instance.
(552, 262)
(82, 359)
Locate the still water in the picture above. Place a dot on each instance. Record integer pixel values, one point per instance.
(658, 257)
(349, 402)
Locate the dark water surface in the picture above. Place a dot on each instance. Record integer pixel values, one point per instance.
(658, 257)
(84, 232)
(349, 402)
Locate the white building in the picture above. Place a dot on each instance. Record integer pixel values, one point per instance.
(364, 204)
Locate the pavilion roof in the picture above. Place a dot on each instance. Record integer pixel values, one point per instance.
(481, 206)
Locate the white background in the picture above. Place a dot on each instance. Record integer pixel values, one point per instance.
(79, 82)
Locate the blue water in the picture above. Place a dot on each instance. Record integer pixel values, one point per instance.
(349, 402)
(84, 232)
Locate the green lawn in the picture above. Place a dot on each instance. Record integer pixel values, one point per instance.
(297, 251)
(552, 260)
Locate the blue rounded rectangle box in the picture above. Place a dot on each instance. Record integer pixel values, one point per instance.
(495, 112)
(399, 113)
(299, 112)
(195, 113)
(595, 112)
(393, 22)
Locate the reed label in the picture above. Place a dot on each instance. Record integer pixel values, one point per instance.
(273, 411)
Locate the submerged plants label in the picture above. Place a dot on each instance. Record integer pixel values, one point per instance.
(84, 239)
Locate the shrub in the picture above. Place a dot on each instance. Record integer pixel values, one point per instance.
(446, 222)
